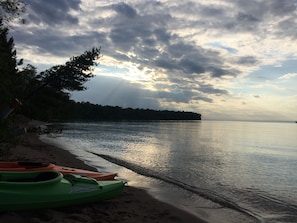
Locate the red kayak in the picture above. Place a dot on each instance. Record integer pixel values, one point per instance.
(36, 166)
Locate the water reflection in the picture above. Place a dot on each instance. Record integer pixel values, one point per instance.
(250, 164)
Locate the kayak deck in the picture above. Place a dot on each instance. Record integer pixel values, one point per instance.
(50, 189)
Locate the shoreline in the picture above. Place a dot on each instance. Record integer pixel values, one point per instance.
(134, 205)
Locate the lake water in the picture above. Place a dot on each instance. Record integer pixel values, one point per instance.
(222, 171)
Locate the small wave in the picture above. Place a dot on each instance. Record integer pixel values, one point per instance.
(207, 194)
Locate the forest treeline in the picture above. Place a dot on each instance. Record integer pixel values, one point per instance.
(85, 111)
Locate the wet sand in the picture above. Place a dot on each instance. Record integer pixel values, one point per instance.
(133, 206)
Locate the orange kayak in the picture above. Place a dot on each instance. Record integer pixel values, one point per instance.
(36, 166)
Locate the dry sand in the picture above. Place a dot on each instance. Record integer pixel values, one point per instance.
(133, 206)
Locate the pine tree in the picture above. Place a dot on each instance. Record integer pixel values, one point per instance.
(8, 67)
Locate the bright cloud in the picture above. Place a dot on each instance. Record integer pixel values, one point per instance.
(288, 76)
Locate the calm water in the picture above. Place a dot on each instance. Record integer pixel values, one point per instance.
(221, 171)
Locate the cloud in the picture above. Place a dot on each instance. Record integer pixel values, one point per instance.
(288, 76)
(114, 91)
(52, 12)
(210, 89)
(124, 9)
(188, 52)
(246, 60)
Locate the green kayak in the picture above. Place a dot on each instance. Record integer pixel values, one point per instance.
(50, 189)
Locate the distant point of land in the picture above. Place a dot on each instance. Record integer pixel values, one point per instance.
(85, 111)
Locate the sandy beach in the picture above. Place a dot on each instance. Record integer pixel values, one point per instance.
(134, 205)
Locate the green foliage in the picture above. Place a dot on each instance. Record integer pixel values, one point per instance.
(42, 95)
(11, 9)
(45, 93)
(73, 74)
(26, 81)
(45, 105)
(8, 66)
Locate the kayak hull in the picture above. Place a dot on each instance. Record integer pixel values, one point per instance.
(36, 166)
(50, 189)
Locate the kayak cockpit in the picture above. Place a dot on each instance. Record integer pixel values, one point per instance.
(15, 178)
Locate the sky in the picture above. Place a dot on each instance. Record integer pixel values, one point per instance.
(224, 59)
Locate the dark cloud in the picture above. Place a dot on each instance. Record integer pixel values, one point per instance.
(166, 64)
(246, 60)
(212, 11)
(180, 49)
(282, 8)
(140, 34)
(125, 10)
(46, 29)
(219, 72)
(177, 97)
(252, 13)
(287, 27)
(180, 95)
(58, 43)
(123, 37)
(226, 18)
(53, 12)
(245, 18)
(121, 57)
(191, 66)
(203, 98)
(162, 35)
(241, 23)
(209, 89)
(239, 15)
(246, 22)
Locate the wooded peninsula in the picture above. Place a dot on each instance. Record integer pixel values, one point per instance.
(85, 111)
